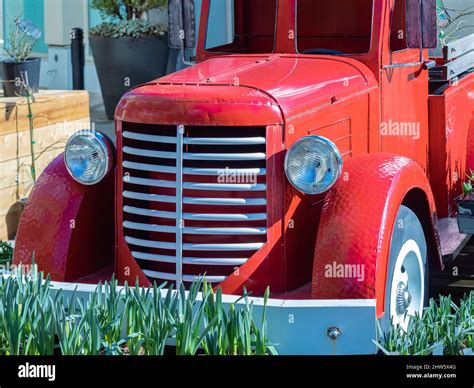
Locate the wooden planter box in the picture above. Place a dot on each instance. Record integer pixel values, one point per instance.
(466, 214)
(56, 115)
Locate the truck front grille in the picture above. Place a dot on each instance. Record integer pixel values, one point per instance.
(194, 199)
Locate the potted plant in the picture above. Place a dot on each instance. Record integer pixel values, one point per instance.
(466, 206)
(128, 49)
(19, 70)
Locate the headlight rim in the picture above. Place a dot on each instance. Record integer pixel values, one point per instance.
(105, 144)
(333, 149)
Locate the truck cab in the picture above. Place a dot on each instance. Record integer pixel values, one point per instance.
(313, 147)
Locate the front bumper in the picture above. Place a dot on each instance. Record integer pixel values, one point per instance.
(298, 327)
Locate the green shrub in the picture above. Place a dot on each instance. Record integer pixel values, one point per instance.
(22, 37)
(129, 28)
(444, 325)
(467, 186)
(126, 18)
(234, 332)
(34, 320)
(126, 9)
(6, 253)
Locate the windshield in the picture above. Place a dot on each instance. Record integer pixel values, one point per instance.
(241, 26)
(334, 27)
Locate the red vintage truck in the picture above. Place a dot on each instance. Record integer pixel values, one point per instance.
(317, 149)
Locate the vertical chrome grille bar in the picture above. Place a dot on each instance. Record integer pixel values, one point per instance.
(179, 206)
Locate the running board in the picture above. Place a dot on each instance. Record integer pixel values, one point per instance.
(451, 241)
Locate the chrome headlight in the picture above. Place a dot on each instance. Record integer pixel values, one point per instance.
(313, 164)
(88, 156)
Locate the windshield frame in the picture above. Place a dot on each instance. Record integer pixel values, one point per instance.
(364, 54)
(205, 52)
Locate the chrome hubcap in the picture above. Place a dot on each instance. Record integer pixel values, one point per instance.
(403, 298)
(407, 287)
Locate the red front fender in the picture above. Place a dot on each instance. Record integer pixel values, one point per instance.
(357, 221)
(66, 226)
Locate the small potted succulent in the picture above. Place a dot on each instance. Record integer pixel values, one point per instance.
(21, 72)
(128, 48)
(466, 206)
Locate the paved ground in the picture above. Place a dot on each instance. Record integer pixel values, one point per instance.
(99, 118)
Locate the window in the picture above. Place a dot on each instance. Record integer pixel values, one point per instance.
(241, 26)
(398, 40)
(334, 26)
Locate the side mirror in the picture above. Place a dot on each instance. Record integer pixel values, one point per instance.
(422, 24)
(181, 24)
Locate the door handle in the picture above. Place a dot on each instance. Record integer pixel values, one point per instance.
(427, 65)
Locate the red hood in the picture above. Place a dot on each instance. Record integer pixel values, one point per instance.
(279, 84)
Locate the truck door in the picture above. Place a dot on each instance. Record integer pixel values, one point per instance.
(404, 89)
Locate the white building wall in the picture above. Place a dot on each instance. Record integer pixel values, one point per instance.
(60, 17)
(464, 24)
(1, 21)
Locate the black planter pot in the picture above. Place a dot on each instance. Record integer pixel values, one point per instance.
(466, 213)
(123, 63)
(27, 71)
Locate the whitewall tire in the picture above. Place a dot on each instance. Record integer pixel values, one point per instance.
(407, 273)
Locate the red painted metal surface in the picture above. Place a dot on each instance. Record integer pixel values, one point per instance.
(470, 146)
(166, 103)
(126, 268)
(357, 221)
(345, 98)
(270, 88)
(295, 83)
(452, 136)
(67, 227)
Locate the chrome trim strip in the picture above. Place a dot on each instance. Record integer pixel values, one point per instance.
(179, 206)
(226, 157)
(196, 185)
(160, 275)
(149, 227)
(149, 153)
(149, 167)
(151, 257)
(150, 244)
(224, 172)
(194, 247)
(226, 201)
(185, 278)
(226, 231)
(149, 197)
(239, 172)
(225, 186)
(189, 260)
(148, 212)
(225, 140)
(194, 155)
(194, 230)
(149, 182)
(205, 261)
(152, 138)
(196, 200)
(225, 217)
(196, 216)
(223, 247)
(196, 140)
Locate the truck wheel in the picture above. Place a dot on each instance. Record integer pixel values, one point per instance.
(407, 276)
